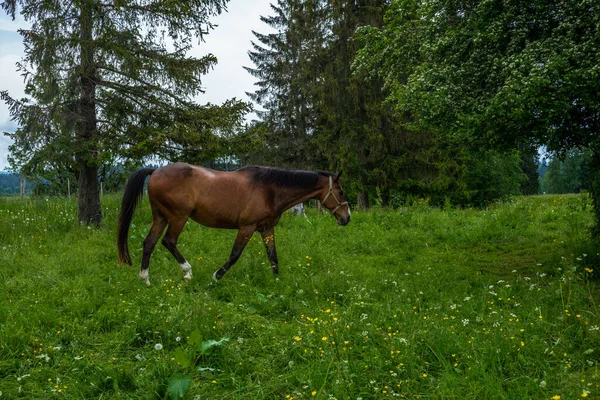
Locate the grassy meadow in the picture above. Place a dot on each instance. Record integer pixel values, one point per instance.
(414, 303)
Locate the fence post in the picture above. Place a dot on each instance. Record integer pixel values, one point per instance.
(22, 187)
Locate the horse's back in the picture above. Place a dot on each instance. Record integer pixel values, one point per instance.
(212, 198)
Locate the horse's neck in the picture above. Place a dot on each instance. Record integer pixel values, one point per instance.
(290, 197)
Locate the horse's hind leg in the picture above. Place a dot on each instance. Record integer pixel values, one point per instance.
(268, 237)
(170, 242)
(241, 240)
(158, 226)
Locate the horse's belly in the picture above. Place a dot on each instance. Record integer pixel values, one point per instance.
(214, 220)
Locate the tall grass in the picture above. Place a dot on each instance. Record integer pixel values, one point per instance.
(422, 302)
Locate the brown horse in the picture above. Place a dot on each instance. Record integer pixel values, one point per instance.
(250, 199)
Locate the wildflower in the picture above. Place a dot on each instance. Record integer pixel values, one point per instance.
(324, 338)
(158, 346)
(314, 393)
(557, 397)
(589, 270)
(584, 394)
(177, 339)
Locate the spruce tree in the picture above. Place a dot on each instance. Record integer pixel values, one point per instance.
(287, 65)
(110, 80)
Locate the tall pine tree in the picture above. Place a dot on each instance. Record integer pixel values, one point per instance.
(287, 65)
(112, 79)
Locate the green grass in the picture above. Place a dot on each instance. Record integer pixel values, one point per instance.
(414, 303)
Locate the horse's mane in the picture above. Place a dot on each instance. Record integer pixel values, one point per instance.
(284, 177)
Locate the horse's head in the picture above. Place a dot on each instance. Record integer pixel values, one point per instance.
(332, 198)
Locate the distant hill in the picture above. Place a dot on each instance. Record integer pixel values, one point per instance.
(10, 184)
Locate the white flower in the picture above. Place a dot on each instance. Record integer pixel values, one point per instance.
(465, 322)
(177, 339)
(543, 384)
(158, 346)
(467, 298)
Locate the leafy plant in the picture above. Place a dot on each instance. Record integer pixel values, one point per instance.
(179, 383)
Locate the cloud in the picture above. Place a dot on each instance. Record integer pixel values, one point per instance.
(7, 24)
(230, 43)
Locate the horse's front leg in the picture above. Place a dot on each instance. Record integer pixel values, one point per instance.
(268, 237)
(241, 240)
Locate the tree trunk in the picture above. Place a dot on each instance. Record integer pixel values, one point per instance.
(89, 210)
(88, 200)
(363, 200)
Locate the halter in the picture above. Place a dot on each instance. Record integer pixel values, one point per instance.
(331, 193)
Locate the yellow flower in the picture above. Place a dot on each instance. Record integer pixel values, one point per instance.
(314, 393)
(324, 338)
(584, 394)
(557, 397)
(297, 338)
(590, 271)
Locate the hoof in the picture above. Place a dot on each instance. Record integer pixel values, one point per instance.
(144, 276)
(216, 277)
(187, 278)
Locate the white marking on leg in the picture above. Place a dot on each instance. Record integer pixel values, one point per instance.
(144, 276)
(187, 270)
(215, 276)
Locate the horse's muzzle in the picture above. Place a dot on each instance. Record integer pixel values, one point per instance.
(343, 220)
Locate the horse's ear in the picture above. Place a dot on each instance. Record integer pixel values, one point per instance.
(337, 176)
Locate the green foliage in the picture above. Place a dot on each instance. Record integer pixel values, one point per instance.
(492, 73)
(492, 176)
(570, 175)
(178, 386)
(419, 302)
(318, 114)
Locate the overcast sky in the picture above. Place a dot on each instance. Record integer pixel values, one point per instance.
(229, 42)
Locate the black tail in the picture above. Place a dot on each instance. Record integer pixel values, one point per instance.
(133, 194)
